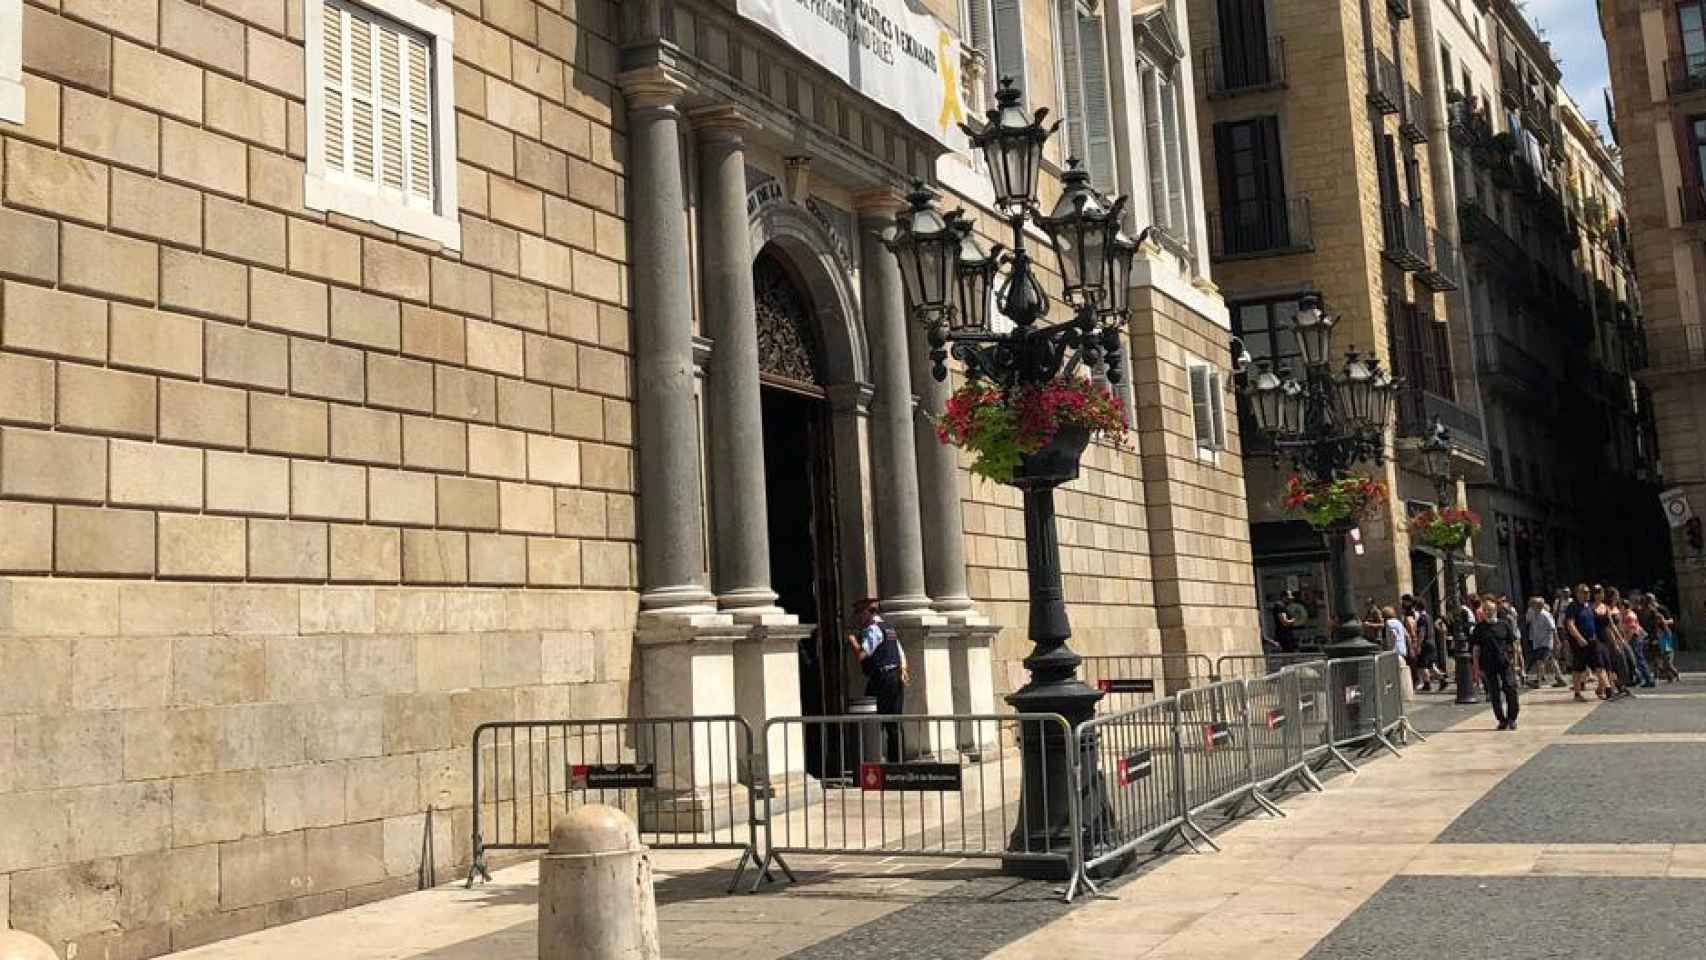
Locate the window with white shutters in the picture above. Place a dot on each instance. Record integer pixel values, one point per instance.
(1085, 105)
(12, 61)
(381, 122)
(1208, 413)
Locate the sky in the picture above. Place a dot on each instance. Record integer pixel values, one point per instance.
(1572, 27)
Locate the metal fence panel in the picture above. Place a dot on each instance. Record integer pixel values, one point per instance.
(1245, 666)
(1134, 679)
(1213, 745)
(1394, 712)
(1355, 691)
(678, 777)
(904, 800)
(1134, 754)
(1275, 730)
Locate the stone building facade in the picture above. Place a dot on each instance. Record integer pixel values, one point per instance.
(371, 370)
(1554, 321)
(1657, 54)
(1327, 182)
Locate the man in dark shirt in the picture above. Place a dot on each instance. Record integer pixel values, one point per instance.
(1495, 644)
(1285, 624)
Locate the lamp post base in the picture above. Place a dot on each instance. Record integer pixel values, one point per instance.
(1043, 831)
(1465, 676)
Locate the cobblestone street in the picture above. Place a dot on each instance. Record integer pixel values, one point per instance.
(1559, 841)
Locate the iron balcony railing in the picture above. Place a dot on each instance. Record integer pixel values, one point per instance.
(1503, 364)
(1441, 273)
(1685, 73)
(1231, 72)
(1400, 9)
(1413, 125)
(1406, 237)
(1676, 348)
(1417, 409)
(1260, 228)
(1385, 89)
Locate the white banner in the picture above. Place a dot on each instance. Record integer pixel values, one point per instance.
(900, 57)
(1675, 504)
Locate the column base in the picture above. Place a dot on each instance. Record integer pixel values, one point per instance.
(928, 659)
(973, 671)
(767, 686)
(684, 600)
(686, 668)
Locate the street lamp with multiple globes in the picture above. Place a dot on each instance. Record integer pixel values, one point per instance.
(1323, 425)
(1436, 460)
(950, 281)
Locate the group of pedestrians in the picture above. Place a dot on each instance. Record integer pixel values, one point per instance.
(1620, 642)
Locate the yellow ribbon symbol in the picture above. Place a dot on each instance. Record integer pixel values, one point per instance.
(951, 112)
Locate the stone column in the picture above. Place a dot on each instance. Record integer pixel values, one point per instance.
(734, 414)
(672, 553)
(939, 490)
(894, 461)
(684, 647)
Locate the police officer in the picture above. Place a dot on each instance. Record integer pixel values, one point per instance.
(881, 657)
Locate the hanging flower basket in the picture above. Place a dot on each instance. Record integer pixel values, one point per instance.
(1447, 529)
(1340, 502)
(1035, 433)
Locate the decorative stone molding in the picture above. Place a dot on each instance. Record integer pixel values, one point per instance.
(652, 87)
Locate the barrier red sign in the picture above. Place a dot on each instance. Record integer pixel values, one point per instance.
(612, 776)
(926, 777)
(1215, 734)
(1136, 766)
(1126, 684)
(1276, 719)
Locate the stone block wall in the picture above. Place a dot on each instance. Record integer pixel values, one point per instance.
(290, 502)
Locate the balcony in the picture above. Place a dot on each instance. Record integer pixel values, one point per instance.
(1483, 235)
(1536, 116)
(1406, 242)
(1441, 273)
(1400, 9)
(1231, 73)
(1385, 90)
(1508, 368)
(1675, 350)
(1468, 123)
(1417, 409)
(1684, 74)
(1510, 84)
(1260, 228)
(1412, 125)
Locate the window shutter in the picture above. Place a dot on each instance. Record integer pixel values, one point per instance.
(1098, 119)
(1217, 406)
(1202, 412)
(981, 32)
(1009, 29)
(332, 68)
(391, 109)
(421, 166)
(1072, 81)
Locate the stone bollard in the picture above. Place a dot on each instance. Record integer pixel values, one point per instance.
(595, 890)
(18, 945)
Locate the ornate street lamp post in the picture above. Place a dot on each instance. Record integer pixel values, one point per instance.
(1323, 425)
(950, 281)
(1436, 460)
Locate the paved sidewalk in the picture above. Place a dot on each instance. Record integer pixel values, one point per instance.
(1350, 873)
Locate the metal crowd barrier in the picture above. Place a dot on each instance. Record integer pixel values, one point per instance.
(1214, 750)
(1244, 666)
(888, 786)
(677, 776)
(1133, 758)
(1134, 679)
(1354, 692)
(1394, 720)
(1275, 730)
(912, 795)
(1315, 717)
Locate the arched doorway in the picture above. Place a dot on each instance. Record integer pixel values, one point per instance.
(800, 481)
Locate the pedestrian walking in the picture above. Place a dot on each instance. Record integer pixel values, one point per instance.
(883, 661)
(1496, 644)
(1580, 627)
(1397, 639)
(1542, 639)
(1662, 648)
(1420, 624)
(1635, 638)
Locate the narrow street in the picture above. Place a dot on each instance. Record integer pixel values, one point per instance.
(1579, 836)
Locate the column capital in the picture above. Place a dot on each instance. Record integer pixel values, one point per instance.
(723, 121)
(851, 397)
(652, 87)
(881, 201)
